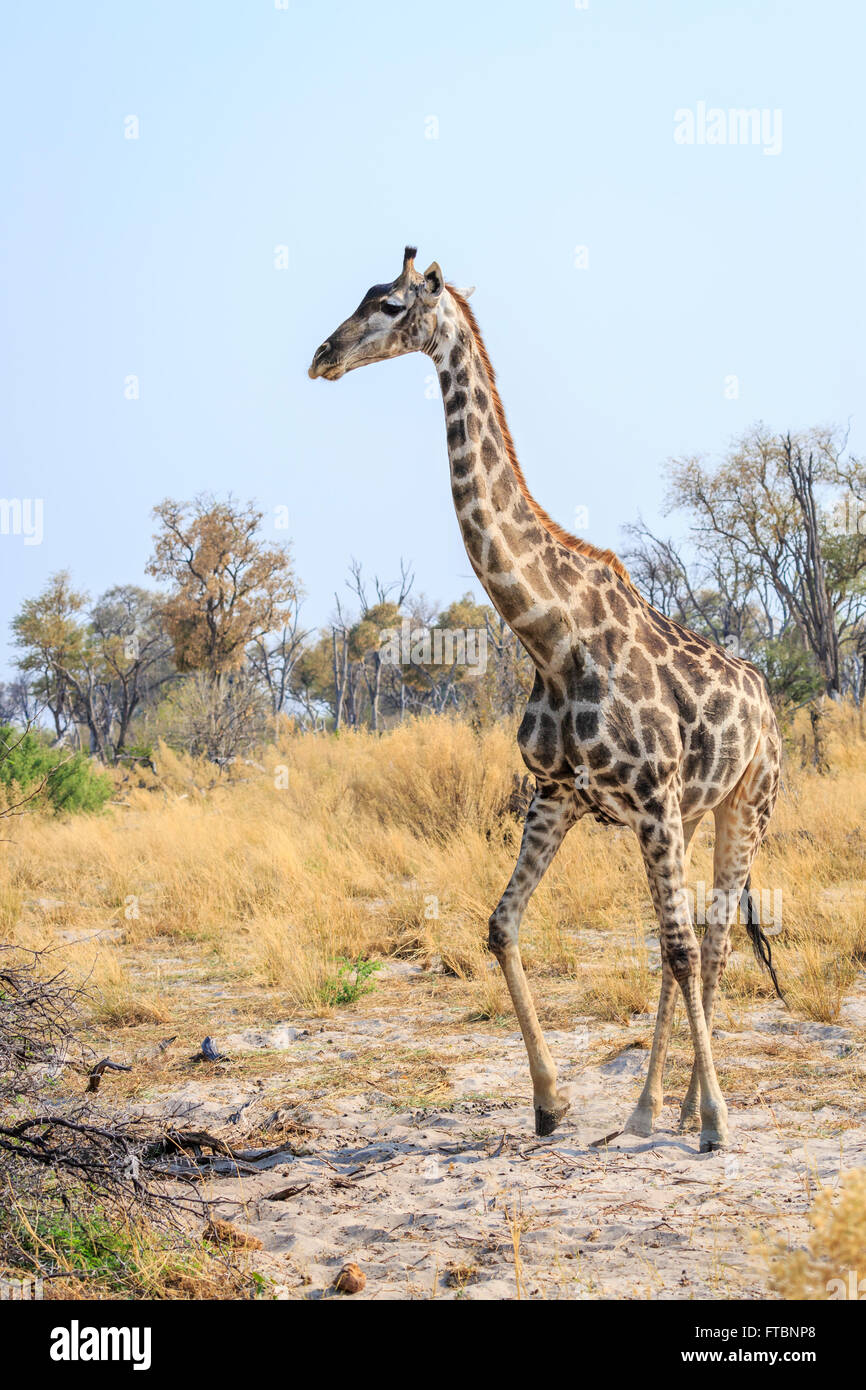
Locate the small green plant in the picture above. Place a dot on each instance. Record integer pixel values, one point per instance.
(71, 781)
(116, 1255)
(351, 980)
(89, 1244)
(85, 1245)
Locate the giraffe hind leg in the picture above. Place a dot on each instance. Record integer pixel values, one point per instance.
(741, 820)
(642, 1120)
(662, 845)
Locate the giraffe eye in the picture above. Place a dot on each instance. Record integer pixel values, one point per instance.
(391, 309)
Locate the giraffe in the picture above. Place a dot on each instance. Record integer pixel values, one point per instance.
(632, 718)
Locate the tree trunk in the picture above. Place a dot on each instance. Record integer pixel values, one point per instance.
(375, 691)
(340, 670)
(819, 756)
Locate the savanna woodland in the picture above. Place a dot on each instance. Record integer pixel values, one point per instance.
(248, 867)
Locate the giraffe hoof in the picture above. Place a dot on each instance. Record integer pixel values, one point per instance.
(689, 1120)
(714, 1130)
(712, 1140)
(640, 1122)
(546, 1121)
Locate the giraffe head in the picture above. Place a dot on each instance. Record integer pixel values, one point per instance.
(391, 320)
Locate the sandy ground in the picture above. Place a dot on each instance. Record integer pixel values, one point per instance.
(456, 1198)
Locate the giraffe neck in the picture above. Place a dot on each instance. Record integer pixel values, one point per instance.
(510, 548)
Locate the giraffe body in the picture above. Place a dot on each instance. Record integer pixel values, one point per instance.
(632, 718)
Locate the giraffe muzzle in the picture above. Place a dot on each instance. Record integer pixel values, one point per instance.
(324, 364)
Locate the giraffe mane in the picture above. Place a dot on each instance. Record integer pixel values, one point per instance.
(559, 534)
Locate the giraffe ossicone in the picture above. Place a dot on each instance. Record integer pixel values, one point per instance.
(632, 718)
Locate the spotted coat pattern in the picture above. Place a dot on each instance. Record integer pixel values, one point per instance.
(632, 718)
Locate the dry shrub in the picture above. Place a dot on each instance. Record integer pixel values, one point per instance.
(296, 962)
(404, 926)
(834, 1247)
(744, 982)
(11, 902)
(435, 776)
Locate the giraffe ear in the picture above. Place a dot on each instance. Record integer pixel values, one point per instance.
(466, 294)
(433, 281)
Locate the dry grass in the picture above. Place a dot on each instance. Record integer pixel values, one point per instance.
(119, 1000)
(621, 988)
(399, 846)
(825, 977)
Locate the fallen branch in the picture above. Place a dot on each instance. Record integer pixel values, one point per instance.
(95, 1078)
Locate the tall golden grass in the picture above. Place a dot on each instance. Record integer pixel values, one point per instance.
(399, 845)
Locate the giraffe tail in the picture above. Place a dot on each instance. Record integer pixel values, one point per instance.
(760, 943)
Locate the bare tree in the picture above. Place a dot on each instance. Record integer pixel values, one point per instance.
(718, 592)
(774, 504)
(18, 702)
(365, 639)
(273, 659)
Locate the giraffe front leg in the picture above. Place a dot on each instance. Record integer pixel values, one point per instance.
(549, 1103)
(550, 815)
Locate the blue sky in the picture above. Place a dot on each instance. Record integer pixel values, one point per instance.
(308, 127)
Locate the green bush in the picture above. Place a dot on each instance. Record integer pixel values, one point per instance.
(73, 782)
(351, 981)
